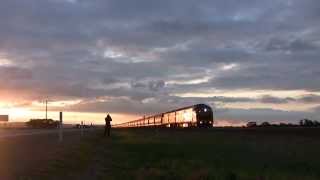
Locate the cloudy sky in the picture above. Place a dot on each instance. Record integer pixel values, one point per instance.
(250, 60)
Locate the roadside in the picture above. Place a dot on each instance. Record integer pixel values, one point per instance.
(7, 133)
(23, 156)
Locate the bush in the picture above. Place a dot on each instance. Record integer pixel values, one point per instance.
(43, 123)
(309, 123)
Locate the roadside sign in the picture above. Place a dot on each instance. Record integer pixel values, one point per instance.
(4, 118)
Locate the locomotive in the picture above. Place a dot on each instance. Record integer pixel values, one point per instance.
(199, 115)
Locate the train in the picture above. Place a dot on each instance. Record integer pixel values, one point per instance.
(199, 115)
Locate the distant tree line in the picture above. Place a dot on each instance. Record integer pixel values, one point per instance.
(302, 123)
(309, 123)
(42, 123)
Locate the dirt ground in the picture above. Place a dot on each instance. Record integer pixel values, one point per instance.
(23, 156)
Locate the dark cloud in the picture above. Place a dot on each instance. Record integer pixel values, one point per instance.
(292, 45)
(156, 85)
(262, 115)
(311, 98)
(153, 85)
(14, 73)
(273, 74)
(317, 110)
(274, 100)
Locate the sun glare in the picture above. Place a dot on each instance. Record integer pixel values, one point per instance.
(15, 112)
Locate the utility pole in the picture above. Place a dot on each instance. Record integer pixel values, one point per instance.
(46, 102)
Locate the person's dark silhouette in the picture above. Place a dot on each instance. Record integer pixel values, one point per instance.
(107, 127)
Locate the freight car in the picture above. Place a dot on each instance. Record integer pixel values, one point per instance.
(199, 115)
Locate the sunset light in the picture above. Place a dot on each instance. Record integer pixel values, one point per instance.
(136, 64)
(160, 89)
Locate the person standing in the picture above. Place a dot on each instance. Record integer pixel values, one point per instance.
(107, 127)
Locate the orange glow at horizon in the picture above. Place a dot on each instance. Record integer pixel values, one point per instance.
(15, 113)
(223, 122)
(25, 114)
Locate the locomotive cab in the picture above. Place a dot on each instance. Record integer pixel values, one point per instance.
(204, 116)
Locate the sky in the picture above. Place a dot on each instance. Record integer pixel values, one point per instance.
(249, 60)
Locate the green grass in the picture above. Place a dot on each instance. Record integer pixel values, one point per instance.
(194, 154)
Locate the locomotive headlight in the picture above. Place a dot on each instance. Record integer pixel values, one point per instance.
(205, 109)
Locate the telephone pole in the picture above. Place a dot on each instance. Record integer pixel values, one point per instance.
(46, 104)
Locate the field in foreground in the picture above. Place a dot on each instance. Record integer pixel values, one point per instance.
(226, 154)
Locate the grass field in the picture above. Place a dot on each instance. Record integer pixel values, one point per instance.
(221, 154)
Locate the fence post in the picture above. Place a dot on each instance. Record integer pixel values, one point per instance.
(61, 127)
(82, 128)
